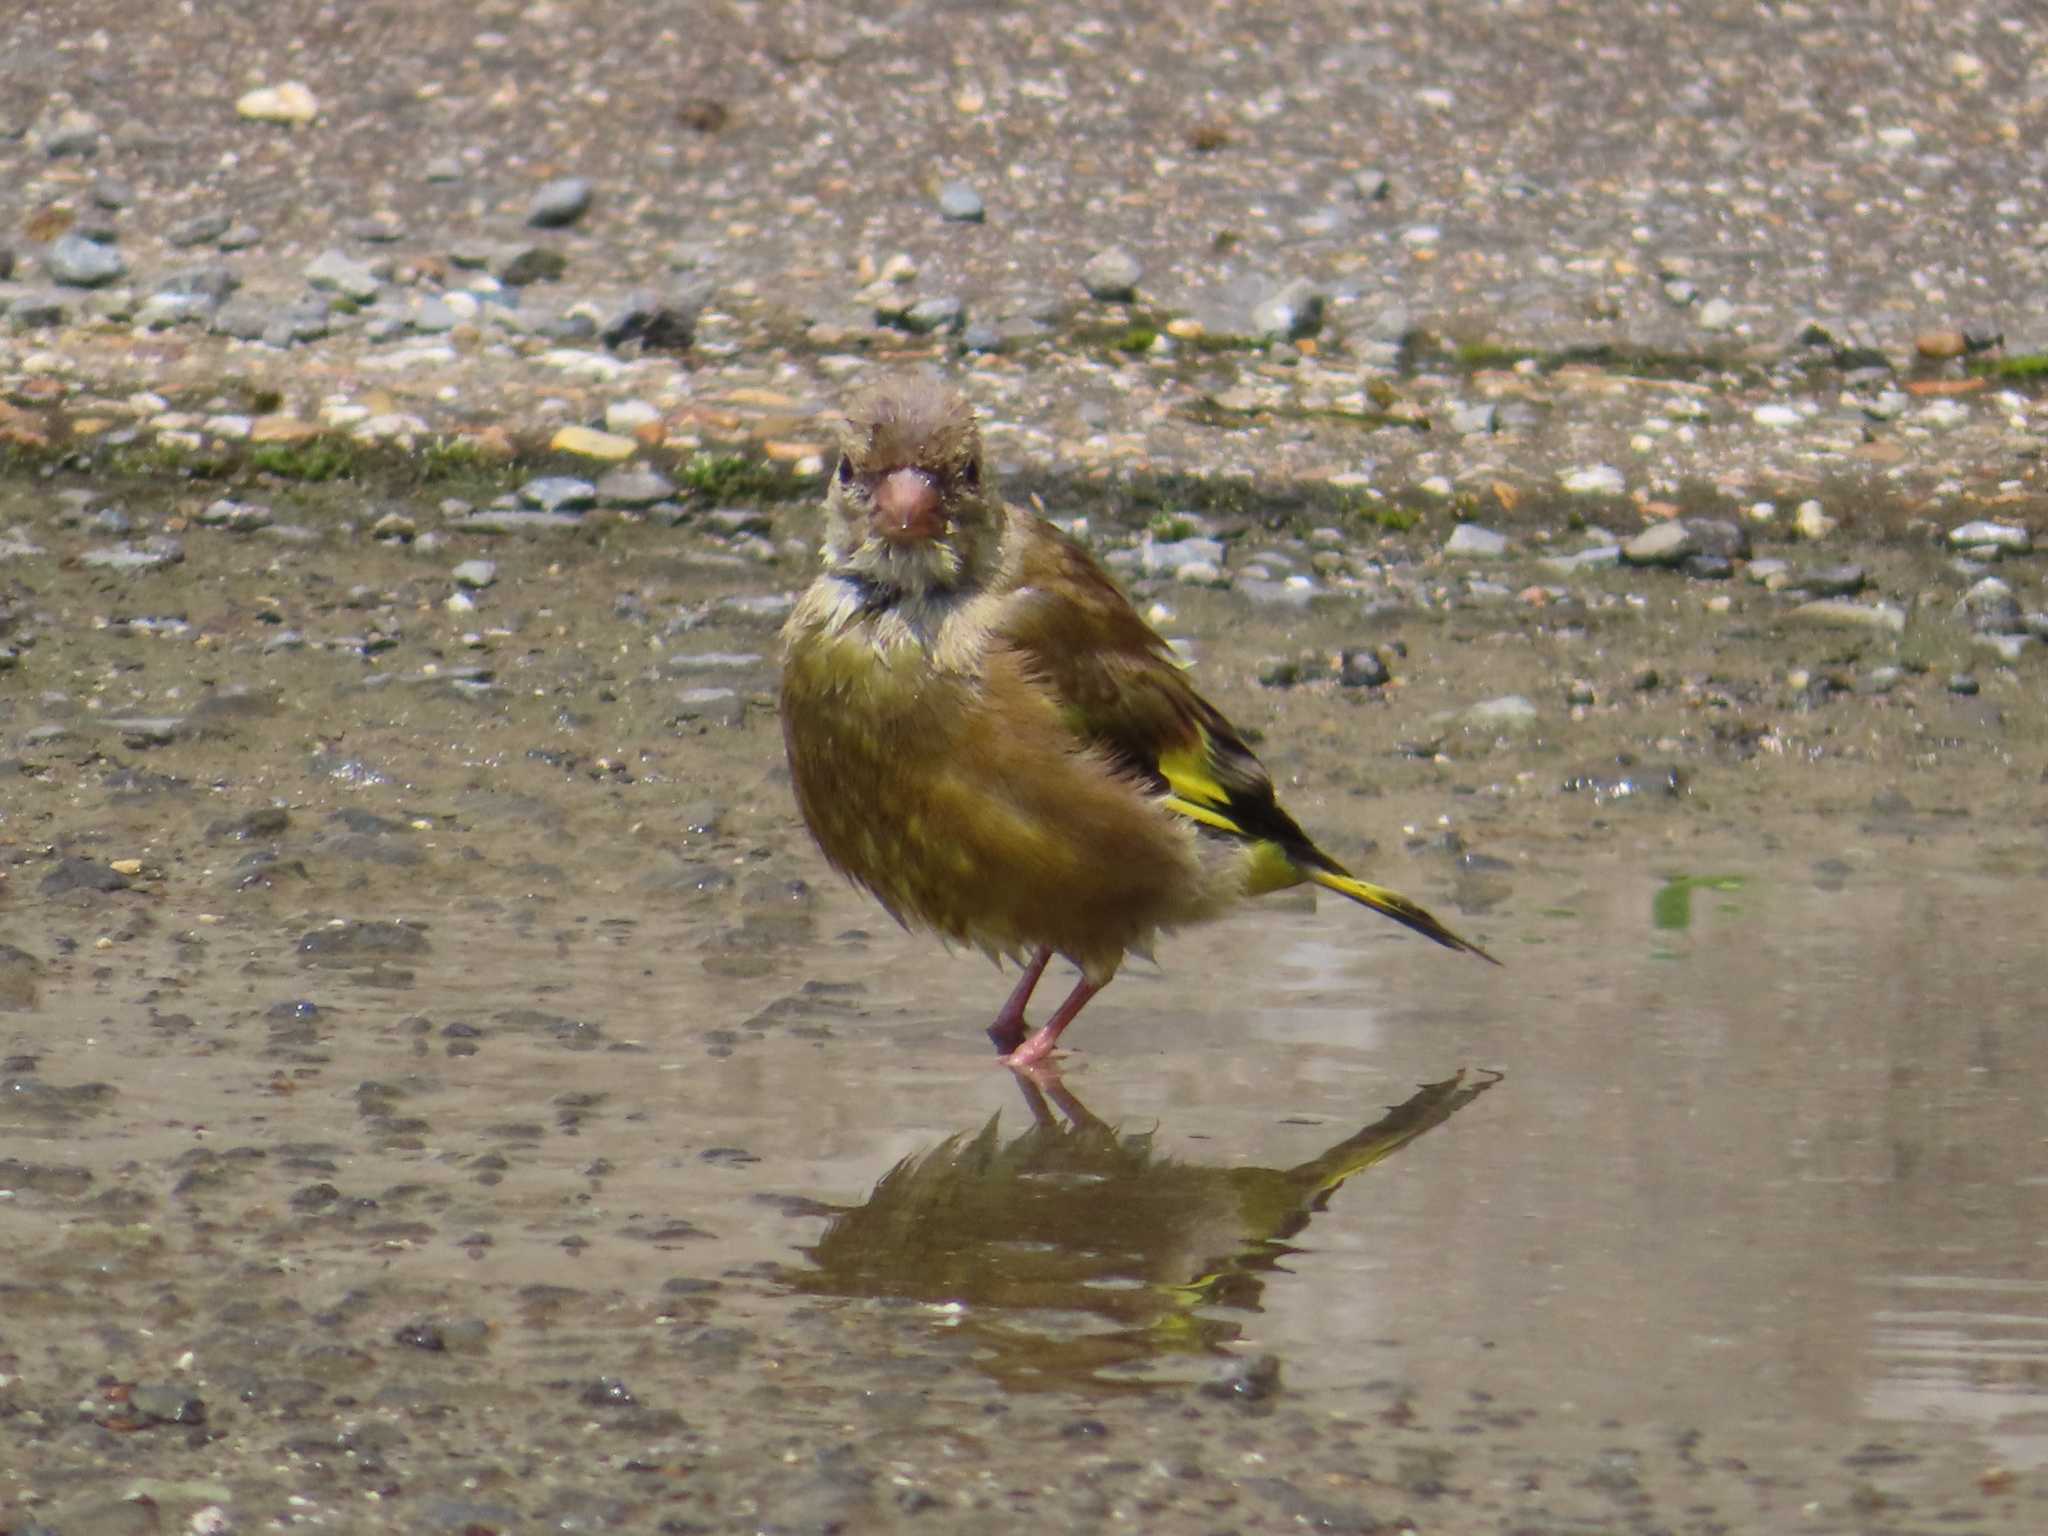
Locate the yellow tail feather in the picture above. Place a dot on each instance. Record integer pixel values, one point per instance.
(1396, 906)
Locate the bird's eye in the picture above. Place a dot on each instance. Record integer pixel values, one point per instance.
(970, 472)
(845, 470)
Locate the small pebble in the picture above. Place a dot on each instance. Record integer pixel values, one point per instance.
(959, 203)
(289, 103)
(559, 203)
(1111, 276)
(1470, 541)
(1595, 480)
(80, 263)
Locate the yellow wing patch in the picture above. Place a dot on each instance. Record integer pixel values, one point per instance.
(1195, 790)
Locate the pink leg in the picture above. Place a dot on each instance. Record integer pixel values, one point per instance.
(1008, 1029)
(1040, 1045)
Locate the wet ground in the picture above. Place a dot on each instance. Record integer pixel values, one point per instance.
(443, 1090)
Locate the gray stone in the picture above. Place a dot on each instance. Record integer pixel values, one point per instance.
(212, 281)
(2008, 648)
(1594, 480)
(75, 135)
(1510, 710)
(510, 520)
(1293, 311)
(339, 272)
(1989, 608)
(1718, 536)
(518, 265)
(244, 319)
(1155, 556)
(1363, 668)
(1112, 276)
(1472, 542)
(655, 320)
(1599, 557)
(1843, 613)
(2008, 537)
(1256, 308)
(1296, 592)
(634, 486)
(1831, 580)
(1669, 543)
(35, 309)
(161, 311)
(558, 493)
(1372, 184)
(81, 263)
(432, 316)
(236, 516)
(1716, 315)
(559, 203)
(200, 229)
(1480, 420)
(304, 319)
(959, 203)
(150, 555)
(378, 229)
(475, 574)
(942, 313)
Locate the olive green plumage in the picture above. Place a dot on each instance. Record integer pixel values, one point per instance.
(984, 733)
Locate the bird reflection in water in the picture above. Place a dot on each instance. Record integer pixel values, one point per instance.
(1076, 1255)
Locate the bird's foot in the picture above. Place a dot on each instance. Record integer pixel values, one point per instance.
(1034, 1051)
(1033, 1055)
(1007, 1033)
(1042, 1072)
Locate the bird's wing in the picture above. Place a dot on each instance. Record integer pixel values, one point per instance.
(1121, 691)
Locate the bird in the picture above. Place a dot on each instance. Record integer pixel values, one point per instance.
(984, 734)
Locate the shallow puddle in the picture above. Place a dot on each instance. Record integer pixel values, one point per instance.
(475, 1106)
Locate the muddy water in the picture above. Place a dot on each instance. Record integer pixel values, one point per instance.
(443, 1090)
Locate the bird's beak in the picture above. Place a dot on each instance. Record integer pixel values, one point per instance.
(907, 507)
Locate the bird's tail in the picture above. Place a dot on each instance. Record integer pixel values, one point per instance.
(1393, 905)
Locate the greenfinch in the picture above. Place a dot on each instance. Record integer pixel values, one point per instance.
(984, 733)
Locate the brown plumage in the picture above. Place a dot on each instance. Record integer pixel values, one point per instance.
(984, 733)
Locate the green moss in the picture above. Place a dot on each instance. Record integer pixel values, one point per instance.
(2024, 365)
(732, 477)
(1139, 338)
(1477, 355)
(1671, 904)
(451, 457)
(312, 461)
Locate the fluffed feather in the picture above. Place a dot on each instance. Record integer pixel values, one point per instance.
(984, 733)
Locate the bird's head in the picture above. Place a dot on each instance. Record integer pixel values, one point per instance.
(909, 512)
